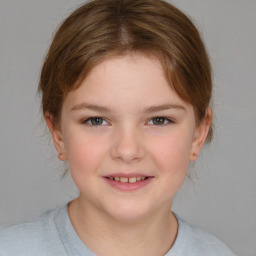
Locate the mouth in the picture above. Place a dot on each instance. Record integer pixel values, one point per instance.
(129, 182)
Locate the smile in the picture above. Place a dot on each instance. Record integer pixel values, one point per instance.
(131, 183)
(126, 180)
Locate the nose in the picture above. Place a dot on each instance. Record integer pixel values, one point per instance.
(127, 146)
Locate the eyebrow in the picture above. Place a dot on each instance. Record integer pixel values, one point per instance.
(149, 109)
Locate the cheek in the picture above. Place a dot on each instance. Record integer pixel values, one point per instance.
(173, 149)
(84, 153)
(171, 154)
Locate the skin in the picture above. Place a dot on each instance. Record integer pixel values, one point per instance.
(127, 139)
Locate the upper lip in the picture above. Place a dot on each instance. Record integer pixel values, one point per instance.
(128, 175)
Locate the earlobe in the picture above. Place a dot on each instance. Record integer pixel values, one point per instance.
(56, 136)
(200, 135)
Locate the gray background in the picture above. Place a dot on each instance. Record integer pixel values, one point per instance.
(222, 197)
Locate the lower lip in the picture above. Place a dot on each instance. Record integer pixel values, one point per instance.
(126, 186)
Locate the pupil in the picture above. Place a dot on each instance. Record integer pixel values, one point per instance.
(159, 120)
(97, 121)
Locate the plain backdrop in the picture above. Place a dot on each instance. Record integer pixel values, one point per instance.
(221, 198)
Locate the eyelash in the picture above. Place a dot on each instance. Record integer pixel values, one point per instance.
(168, 120)
(90, 119)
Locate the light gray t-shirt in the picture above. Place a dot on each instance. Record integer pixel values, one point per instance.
(53, 234)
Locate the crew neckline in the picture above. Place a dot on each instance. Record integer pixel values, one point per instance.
(74, 245)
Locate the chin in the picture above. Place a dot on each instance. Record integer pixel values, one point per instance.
(128, 212)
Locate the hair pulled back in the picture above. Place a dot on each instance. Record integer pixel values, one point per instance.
(103, 28)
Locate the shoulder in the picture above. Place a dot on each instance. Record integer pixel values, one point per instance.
(194, 241)
(39, 237)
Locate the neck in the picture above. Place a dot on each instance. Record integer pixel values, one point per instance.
(117, 237)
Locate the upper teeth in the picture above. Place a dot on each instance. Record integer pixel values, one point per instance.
(130, 180)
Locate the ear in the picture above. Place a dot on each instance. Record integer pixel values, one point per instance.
(200, 135)
(56, 136)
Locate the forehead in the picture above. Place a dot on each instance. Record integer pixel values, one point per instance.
(130, 80)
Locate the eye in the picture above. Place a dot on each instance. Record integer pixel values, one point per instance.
(160, 121)
(95, 121)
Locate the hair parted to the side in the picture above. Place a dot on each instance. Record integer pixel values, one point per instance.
(103, 28)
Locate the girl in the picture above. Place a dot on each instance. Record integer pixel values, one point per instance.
(126, 87)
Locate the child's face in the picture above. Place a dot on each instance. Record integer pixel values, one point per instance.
(127, 94)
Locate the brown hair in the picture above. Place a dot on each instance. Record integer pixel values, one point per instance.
(103, 28)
